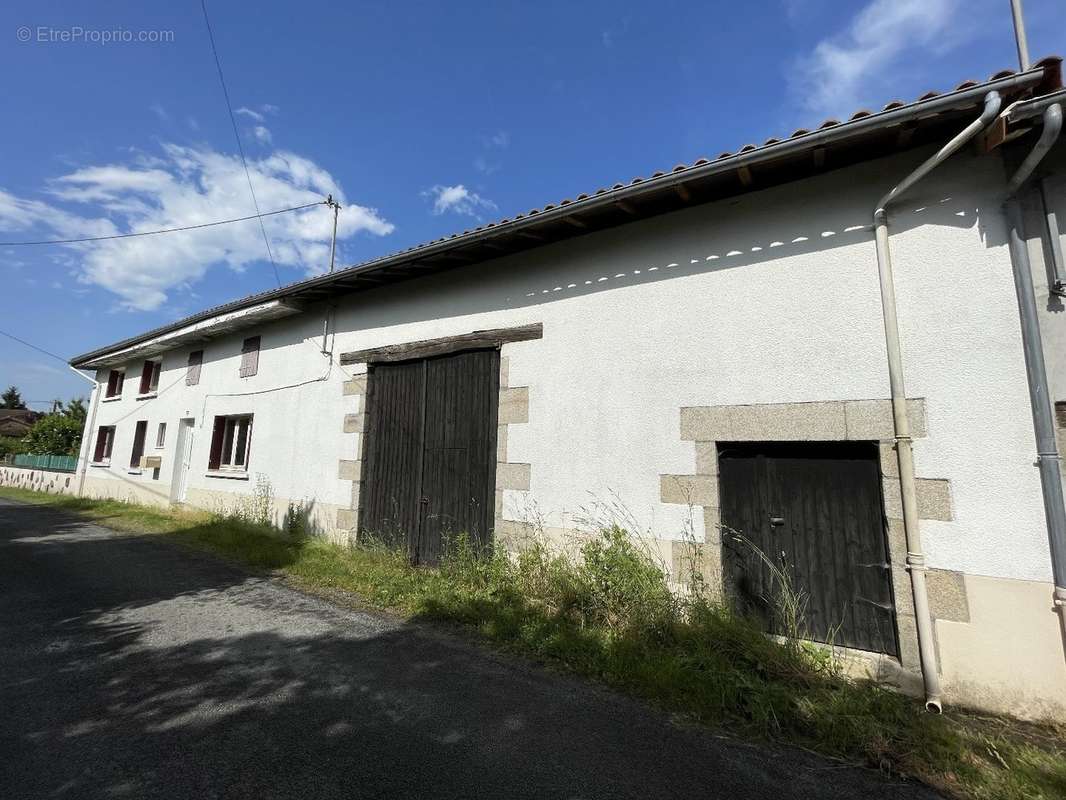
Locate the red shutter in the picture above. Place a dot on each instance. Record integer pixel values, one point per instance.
(146, 377)
(250, 357)
(214, 461)
(138, 443)
(112, 382)
(101, 444)
(192, 374)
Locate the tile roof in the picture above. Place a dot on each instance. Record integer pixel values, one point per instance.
(1047, 73)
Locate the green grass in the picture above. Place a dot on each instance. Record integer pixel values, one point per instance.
(610, 617)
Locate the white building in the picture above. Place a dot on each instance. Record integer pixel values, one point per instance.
(705, 347)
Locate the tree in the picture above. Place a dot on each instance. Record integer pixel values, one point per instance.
(11, 398)
(55, 434)
(76, 410)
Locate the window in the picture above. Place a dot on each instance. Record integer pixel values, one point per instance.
(114, 382)
(150, 377)
(192, 372)
(231, 442)
(161, 435)
(138, 444)
(105, 438)
(250, 357)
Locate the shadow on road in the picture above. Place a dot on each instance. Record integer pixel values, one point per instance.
(132, 668)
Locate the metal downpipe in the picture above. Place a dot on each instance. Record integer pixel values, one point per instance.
(1048, 460)
(904, 453)
(87, 431)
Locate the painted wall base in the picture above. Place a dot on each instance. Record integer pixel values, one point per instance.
(1009, 657)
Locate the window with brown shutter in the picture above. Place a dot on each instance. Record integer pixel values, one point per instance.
(192, 373)
(115, 379)
(250, 357)
(139, 435)
(231, 443)
(215, 458)
(150, 377)
(105, 438)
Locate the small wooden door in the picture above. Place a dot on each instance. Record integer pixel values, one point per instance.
(815, 513)
(430, 468)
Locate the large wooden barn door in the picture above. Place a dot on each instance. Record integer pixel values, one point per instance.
(815, 513)
(431, 451)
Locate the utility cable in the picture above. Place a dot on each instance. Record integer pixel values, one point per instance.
(240, 147)
(166, 230)
(33, 347)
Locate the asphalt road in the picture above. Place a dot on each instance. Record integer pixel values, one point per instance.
(133, 668)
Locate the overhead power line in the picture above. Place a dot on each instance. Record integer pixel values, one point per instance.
(240, 147)
(33, 346)
(166, 230)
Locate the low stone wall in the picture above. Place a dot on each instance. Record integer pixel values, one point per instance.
(39, 480)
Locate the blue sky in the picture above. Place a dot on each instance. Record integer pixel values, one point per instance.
(425, 118)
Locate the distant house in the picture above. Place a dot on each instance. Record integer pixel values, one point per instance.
(716, 349)
(16, 422)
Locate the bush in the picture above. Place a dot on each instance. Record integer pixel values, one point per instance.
(55, 434)
(12, 446)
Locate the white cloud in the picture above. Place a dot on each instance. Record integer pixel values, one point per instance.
(499, 140)
(185, 186)
(262, 134)
(250, 113)
(835, 78)
(459, 200)
(486, 167)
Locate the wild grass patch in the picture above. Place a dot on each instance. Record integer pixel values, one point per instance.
(605, 610)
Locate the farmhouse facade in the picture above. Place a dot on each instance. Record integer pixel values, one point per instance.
(702, 352)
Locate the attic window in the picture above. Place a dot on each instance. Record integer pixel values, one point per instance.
(192, 372)
(115, 379)
(150, 378)
(250, 357)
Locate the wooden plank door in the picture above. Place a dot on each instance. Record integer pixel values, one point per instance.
(459, 470)
(430, 469)
(815, 513)
(392, 481)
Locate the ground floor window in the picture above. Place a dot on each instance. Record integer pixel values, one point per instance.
(105, 439)
(161, 435)
(231, 443)
(139, 435)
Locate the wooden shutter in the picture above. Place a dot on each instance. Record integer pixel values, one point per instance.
(138, 443)
(192, 374)
(250, 357)
(146, 377)
(101, 444)
(112, 383)
(214, 461)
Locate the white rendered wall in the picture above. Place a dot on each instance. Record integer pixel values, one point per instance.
(768, 298)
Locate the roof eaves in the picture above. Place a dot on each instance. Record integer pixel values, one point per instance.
(1045, 72)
